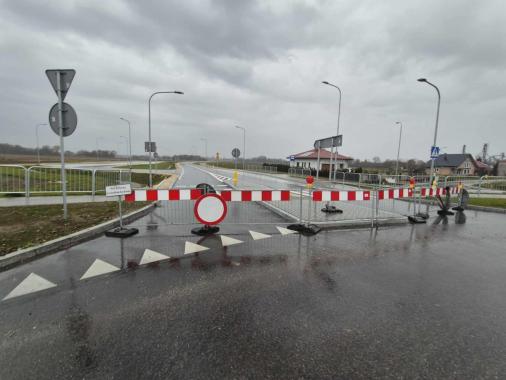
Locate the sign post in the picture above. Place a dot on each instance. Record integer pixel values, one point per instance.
(328, 142)
(236, 153)
(59, 120)
(118, 191)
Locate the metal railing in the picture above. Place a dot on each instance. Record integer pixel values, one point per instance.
(299, 172)
(33, 180)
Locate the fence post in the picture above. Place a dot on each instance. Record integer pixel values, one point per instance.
(310, 202)
(27, 183)
(373, 195)
(93, 184)
(479, 186)
(300, 204)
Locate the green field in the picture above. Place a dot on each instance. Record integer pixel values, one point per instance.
(26, 226)
(165, 165)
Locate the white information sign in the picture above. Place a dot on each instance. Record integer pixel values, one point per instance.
(114, 191)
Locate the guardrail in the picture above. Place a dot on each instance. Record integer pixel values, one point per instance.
(18, 179)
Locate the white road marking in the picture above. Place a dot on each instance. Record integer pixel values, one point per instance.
(285, 231)
(32, 283)
(150, 256)
(190, 247)
(258, 235)
(226, 241)
(99, 267)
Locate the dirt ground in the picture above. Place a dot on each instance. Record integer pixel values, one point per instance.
(26, 226)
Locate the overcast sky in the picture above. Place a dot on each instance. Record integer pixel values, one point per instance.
(259, 64)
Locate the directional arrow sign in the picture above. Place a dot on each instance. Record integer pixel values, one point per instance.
(66, 77)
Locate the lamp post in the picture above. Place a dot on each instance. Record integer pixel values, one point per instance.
(37, 139)
(149, 126)
(243, 147)
(398, 149)
(337, 134)
(96, 141)
(126, 142)
(129, 142)
(423, 80)
(205, 145)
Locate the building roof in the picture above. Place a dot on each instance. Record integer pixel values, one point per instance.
(324, 154)
(452, 160)
(481, 165)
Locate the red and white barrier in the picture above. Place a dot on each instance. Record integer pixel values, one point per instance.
(334, 195)
(194, 194)
(280, 195)
(255, 195)
(409, 193)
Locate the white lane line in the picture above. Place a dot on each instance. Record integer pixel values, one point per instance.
(32, 283)
(217, 177)
(258, 235)
(285, 231)
(99, 267)
(150, 256)
(190, 247)
(226, 241)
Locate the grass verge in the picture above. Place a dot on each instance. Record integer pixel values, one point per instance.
(488, 202)
(26, 226)
(159, 165)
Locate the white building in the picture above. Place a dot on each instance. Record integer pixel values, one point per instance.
(309, 159)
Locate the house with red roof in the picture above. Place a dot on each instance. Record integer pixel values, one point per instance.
(311, 159)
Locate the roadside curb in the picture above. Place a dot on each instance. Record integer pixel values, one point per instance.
(468, 207)
(23, 255)
(486, 209)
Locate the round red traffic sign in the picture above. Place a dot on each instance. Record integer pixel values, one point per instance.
(309, 180)
(210, 209)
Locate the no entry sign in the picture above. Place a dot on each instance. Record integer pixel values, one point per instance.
(210, 209)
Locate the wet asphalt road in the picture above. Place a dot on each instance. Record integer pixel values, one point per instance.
(424, 301)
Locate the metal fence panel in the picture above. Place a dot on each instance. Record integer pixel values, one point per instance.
(12, 179)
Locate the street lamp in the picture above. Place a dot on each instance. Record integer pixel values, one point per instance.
(126, 142)
(129, 142)
(338, 119)
(205, 141)
(398, 149)
(435, 130)
(96, 141)
(243, 147)
(37, 138)
(149, 126)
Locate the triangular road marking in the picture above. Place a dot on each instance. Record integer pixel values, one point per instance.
(97, 268)
(258, 235)
(32, 283)
(285, 231)
(190, 247)
(226, 241)
(150, 256)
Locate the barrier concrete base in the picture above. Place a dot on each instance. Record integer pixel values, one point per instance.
(121, 232)
(305, 229)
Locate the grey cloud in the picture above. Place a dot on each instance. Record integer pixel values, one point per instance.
(260, 64)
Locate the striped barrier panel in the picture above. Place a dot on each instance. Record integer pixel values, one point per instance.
(334, 195)
(194, 194)
(280, 195)
(408, 193)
